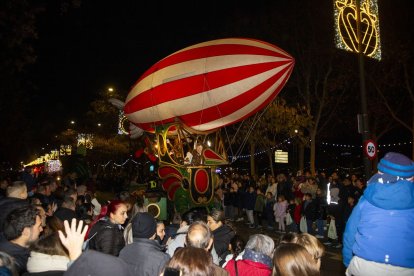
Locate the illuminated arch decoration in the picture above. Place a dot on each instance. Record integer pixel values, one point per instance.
(346, 17)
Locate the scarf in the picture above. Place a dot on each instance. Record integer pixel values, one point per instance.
(257, 257)
(39, 262)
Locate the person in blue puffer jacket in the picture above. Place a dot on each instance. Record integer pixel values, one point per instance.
(378, 238)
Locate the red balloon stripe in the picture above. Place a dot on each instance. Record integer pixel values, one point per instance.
(209, 85)
(196, 84)
(217, 112)
(213, 51)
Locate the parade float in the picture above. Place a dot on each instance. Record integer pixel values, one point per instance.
(185, 99)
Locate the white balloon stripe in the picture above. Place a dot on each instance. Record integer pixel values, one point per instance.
(197, 67)
(201, 101)
(247, 109)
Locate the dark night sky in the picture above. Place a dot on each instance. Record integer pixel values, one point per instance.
(111, 43)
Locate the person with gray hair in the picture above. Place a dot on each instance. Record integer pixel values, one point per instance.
(257, 257)
(199, 236)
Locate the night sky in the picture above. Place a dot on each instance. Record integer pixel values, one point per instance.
(83, 47)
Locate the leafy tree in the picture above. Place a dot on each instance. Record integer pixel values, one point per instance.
(268, 128)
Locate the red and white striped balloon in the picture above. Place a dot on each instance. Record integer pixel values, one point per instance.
(209, 85)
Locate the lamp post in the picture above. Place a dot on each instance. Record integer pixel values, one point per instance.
(366, 42)
(363, 121)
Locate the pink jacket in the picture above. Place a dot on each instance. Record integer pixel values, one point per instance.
(280, 209)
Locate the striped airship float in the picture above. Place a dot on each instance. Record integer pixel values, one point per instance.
(209, 85)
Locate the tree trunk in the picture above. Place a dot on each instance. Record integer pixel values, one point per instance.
(313, 152)
(252, 163)
(301, 156)
(269, 155)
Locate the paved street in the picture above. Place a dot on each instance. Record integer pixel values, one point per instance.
(331, 262)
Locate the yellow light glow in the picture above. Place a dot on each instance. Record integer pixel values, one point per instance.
(85, 140)
(346, 36)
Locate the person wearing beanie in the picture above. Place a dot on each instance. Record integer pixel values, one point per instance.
(378, 235)
(144, 255)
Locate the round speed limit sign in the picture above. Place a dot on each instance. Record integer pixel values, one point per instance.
(370, 149)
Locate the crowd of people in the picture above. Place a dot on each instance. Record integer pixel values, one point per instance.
(300, 203)
(61, 228)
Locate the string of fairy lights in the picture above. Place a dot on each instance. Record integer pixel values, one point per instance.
(278, 146)
(124, 163)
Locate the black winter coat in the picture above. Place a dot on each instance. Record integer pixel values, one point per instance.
(321, 207)
(8, 204)
(310, 211)
(222, 237)
(144, 257)
(109, 237)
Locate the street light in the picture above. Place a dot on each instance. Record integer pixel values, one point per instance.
(110, 89)
(99, 124)
(72, 122)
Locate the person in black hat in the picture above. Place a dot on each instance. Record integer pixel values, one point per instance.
(378, 235)
(90, 262)
(144, 255)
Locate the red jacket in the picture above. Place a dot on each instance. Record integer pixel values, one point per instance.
(297, 213)
(248, 268)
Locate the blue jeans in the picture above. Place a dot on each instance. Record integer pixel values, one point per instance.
(309, 224)
(320, 223)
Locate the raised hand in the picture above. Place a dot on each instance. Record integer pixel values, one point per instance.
(74, 238)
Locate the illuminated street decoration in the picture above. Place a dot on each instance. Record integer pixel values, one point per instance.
(65, 150)
(346, 35)
(53, 166)
(52, 156)
(85, 140)
(123, 124)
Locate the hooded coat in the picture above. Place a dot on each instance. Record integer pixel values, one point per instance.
(381, 224)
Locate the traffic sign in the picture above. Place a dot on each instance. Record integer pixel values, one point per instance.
(370, 149)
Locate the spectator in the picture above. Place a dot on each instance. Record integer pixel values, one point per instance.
(172, 228)
(292, 259)
(309, 211)
(222, 232)
(271, 186)
(48, 255)
(199, 236)
(250, 201)
(7, 265)
(378, 238)
(43, 193)
(284, 187)
(269, 214)
(144, 256)
(90, 262)
(321, 205)
(237, 245)
(312, 245)
(16, 197)
(178, 240)
(106, 235)
(84, 212)
(280, 209)
(257, 258)
(259, 207)
(21, 228)
(190, 261)
(67, 210)
(160, 234)
(137, 208)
